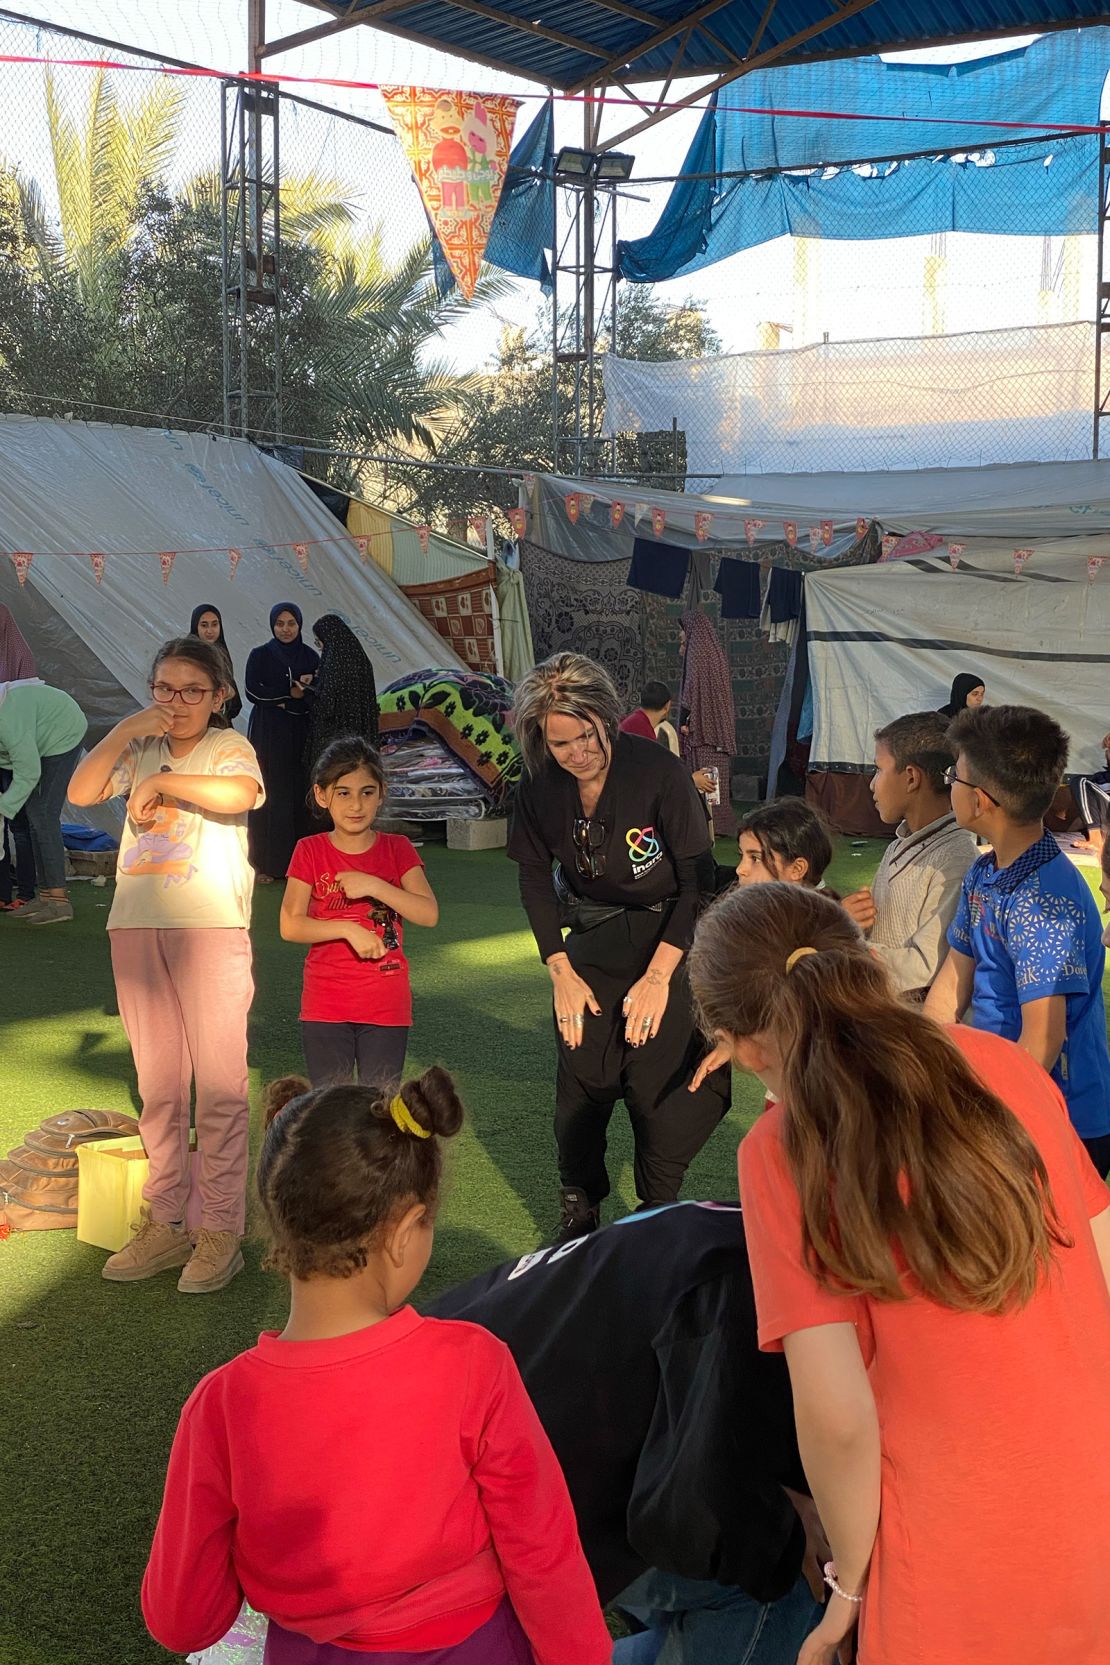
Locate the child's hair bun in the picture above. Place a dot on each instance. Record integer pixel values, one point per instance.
(281, 1092)
(433, 1102)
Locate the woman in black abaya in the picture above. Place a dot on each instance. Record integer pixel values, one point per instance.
(278, 684)
(345, 696)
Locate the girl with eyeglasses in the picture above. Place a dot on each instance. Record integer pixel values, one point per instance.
(181, 955)
(620, 818)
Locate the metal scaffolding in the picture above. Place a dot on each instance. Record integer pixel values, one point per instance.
(250, 210)
(583, 307)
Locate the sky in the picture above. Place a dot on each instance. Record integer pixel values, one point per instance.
(841, 290)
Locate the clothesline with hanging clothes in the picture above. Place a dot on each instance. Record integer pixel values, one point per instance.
(663, 569)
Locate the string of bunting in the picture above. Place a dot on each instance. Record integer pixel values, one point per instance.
(22, 559)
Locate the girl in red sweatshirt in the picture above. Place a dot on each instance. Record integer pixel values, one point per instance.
(375, 1482)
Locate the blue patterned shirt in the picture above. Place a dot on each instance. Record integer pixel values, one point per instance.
(1034, 931)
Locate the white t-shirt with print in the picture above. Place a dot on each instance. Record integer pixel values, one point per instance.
(188, 868)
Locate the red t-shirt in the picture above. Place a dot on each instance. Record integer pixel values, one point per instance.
(380, 1490)
(638, 722)
(338, 986)
(993, 1453)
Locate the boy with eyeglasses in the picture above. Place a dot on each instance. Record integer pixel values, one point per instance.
(1026, 953)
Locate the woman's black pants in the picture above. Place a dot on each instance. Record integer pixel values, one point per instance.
(669, 1123)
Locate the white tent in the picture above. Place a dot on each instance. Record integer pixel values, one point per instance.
(72, 489)
(888, 639)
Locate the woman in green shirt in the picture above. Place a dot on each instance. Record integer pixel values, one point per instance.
(41, 730)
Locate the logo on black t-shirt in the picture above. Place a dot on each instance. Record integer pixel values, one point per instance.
(644, 850)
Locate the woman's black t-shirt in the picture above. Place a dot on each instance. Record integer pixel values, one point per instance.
(655, 844)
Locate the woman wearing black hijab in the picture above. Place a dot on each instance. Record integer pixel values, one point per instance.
(968, 690)
(278, 684)
(207, 623)
(346, 698)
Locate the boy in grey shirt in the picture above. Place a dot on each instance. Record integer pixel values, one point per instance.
(906, 912)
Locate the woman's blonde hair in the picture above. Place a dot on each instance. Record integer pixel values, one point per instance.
(904, 1161)
(566, 685)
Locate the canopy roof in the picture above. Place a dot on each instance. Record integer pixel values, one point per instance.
(572, 44)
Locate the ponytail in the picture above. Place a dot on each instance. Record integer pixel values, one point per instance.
(903, 1160)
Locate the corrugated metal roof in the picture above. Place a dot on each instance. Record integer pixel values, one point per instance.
(566, 43)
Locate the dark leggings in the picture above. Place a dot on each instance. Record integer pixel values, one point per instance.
(1099, 1152)
(333, 1050)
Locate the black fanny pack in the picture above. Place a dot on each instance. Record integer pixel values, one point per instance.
(577, 914)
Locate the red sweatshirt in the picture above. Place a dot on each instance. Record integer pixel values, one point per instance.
(381, 1490)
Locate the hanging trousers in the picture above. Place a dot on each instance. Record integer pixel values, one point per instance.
(669, 1123)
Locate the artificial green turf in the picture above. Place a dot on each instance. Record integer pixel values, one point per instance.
(93, 1375)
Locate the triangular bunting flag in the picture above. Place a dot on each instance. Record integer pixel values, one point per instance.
(518, 520)
(166, 560)
(751, 527)
(790, 532)
(703, 520)
(529, 483)
(300, 550)
(658, 521)
(234, 556)
(21, 561)
(572, 502)
(424, 533)
(861, 526)
(640, 512)
(616, 514)
(477, 525)
(98, 567)
(1095, 564)
(1021, 557)
(457, 145)
(955, 550)
(363, 547)
(814, 539)
(826, 532)
(585, 501)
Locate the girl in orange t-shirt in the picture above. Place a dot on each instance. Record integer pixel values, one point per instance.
(930, 1245)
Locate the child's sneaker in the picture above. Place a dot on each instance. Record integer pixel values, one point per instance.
(215, 1260)
(47, 912)
(154, 1248)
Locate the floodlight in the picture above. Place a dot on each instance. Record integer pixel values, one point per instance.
(614, 164)
(574, 164)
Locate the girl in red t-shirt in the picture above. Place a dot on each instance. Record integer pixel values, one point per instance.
(348, 891)
(376, 1483)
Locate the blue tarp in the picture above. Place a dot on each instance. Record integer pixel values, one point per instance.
(523, 224)
(1042, 187)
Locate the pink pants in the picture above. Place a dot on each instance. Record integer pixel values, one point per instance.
(184, 997)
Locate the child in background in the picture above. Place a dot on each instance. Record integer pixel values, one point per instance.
(377, 1483)
(785, 840)
(1025, 947)
(181, 955)
(906, 911)
(347, 893)
(653, 710)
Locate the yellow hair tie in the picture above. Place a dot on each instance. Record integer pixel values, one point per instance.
(798, 954)
(406, 1121)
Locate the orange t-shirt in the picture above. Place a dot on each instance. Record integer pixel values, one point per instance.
(994, 1533)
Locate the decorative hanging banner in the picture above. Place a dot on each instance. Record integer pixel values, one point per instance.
(861, 527)
(814, 539)
(98, 567)
(518, 520)
(166, 559)
(703, 520)
(641, 513)
(790, 532)
(572, 503)
(751, 527)
(21, 561)
(1021, 556)
(529, 483)
(889, 545)
(586, 501)
(826, 532)
(659, 521)
(363, 547)
(478, 527)
(616, 514)
(955, 550)
(424, 533)
(300, 550)
(1095, 564)
(457, 145)
(234, 557)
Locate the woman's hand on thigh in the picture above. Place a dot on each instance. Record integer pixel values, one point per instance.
(572, 998)
(644, 1007)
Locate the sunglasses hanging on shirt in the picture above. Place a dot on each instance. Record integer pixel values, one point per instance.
(588, 836)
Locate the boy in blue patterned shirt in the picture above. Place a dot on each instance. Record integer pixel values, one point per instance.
(1025, 947)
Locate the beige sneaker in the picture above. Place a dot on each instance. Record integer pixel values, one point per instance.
(215, 1260)
(154, 1248)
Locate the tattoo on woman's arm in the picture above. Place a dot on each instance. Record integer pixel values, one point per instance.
(654, 978)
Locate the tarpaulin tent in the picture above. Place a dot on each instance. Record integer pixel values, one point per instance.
(69, 490)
